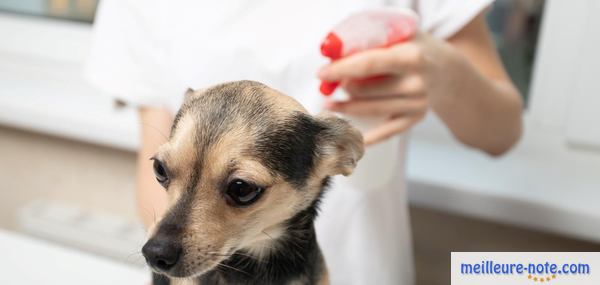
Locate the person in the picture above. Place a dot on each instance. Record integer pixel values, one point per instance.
(147, 53)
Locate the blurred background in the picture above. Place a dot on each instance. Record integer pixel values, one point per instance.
(68, 164)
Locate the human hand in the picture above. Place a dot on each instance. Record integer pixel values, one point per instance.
(398, 84)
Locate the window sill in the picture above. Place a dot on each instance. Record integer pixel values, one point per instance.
(53, 98)
(537, 185)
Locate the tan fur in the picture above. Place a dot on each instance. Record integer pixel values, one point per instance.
(182, 281)
(324, 279)
(215, 229)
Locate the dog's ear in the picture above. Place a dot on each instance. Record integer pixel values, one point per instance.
(341, 145)
(191, 94)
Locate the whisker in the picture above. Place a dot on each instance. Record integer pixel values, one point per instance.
(146, 210)
(263, 231)
(138, 255)
(230, 255)
(231, 267)
(133, 253)
(254, 258)
(154, 215)
(157, 130)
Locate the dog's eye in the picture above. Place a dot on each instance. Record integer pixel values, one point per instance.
(160, 172)
(242, 193)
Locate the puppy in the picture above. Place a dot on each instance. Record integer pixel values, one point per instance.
(244, 169)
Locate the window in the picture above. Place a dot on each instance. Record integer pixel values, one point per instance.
(515, 26)
(77, 10)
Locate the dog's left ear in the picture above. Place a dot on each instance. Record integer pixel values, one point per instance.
(191, 94)
(341, 144)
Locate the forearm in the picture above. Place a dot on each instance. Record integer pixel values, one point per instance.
(480, 111)
(151, 197)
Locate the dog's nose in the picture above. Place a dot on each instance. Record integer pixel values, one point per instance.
(161, 253)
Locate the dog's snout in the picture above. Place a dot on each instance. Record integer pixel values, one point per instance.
(161, 253)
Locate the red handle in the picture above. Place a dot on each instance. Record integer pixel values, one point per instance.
(332, 46)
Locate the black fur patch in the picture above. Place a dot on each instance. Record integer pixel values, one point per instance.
(289, 147)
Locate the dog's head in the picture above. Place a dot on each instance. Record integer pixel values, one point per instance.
(242, 159)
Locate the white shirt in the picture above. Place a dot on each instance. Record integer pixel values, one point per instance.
(147, 52)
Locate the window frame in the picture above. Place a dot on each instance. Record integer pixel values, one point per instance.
(547, 117)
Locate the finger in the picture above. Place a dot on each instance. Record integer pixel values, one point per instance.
(390, 128)
(380, 61)
(380, 107)
(411, 85)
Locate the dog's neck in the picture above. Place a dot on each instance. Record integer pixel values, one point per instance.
(295, 259)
